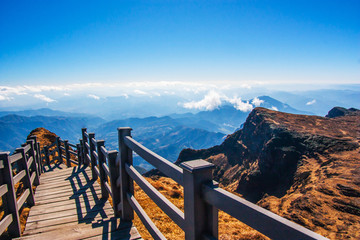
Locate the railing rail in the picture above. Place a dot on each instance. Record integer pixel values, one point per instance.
(116, 173)
(25, 162)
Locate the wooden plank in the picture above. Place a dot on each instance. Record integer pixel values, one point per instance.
(44, 209)
(70, 206)
(15, 157)
(60, 199)
(63, 175)
(19, 176)
(22, 199)
(67, 191)
(73, 195)
(62, 172)
(62, 184)
(80, 200)
(68, 219)
(107, 230)
(3, 190)
(134, 235)
(5, 222)
(72, 212)
(65, 222)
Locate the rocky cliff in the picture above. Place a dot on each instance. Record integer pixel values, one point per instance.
(305, 168)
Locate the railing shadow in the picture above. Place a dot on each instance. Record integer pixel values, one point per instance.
(53, 167)
(90, 207)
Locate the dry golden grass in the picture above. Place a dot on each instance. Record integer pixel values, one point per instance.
(229, 227)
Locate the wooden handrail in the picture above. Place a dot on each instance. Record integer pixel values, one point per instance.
(28, 170)
(165, 166)
(202, 197)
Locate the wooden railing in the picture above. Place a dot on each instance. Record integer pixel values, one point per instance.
(22, 168)
(62, 150)
(202, 196)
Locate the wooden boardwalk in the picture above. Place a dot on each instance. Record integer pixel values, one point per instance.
(69, 206)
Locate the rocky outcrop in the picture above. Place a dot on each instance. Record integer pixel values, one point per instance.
(305, 168)
(340, 111)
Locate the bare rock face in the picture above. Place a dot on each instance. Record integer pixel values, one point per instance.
(305, 168)
(339, 112)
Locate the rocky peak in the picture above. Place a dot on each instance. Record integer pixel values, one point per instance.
(305, 168)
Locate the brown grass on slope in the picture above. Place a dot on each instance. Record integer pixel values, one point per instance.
(229, 227)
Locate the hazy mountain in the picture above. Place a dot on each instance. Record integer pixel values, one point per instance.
(165, 136)
(227, 118)
(48, 112)
(15, 128)
(319, 101)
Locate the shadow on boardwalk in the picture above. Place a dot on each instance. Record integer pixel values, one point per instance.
(69, 206)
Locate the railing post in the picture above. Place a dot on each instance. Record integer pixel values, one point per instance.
(114, 176)
(92, 157)
(26, 180)
(33, 164)
(126, 183)
(200, 217)
(103, 176)
(78, 147)
(46, 153)
(58, 145)
(67, 153)
(37, 157)
(9, 199)
(85, 150)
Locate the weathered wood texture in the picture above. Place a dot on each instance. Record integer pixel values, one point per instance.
(69, 206)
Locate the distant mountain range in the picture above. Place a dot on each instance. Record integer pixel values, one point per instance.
(15, 128)
(166, 135)
(227, 119)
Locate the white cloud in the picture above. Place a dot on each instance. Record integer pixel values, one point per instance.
(94, 96)
(240, 105)
(257, 102)
(44, 98)
(274, 108)
(66, 94)
(140, 92)
(213, 100)
(5, 98)
(311, 102)
(210, 102)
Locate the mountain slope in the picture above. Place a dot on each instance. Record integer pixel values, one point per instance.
(305, 168)
(14, 128)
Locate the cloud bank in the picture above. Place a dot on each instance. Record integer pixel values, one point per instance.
(213, 100)
(44, 98)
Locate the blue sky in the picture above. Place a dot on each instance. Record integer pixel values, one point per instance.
(64, 42)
